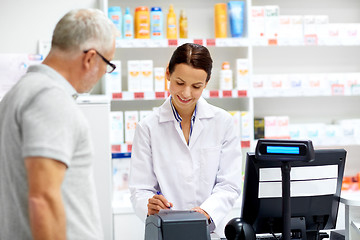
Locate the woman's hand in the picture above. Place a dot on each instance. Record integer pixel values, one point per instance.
(156, 203)
(199, 210)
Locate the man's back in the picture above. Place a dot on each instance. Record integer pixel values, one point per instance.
(40, 118)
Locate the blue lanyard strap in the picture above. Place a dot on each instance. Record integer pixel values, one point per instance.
(179, 119)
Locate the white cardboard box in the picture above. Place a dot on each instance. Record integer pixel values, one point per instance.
(134, 77)
(146, 75)
(159, 79)
(131, 120)
(112, 81)
(242, 74)
(117, 127)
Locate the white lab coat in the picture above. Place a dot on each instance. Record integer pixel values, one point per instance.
(205, 173)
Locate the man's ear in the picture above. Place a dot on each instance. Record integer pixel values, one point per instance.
(88, 59)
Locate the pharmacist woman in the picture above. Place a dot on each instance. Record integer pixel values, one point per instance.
(186, 154)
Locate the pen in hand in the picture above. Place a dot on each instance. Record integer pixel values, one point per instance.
(168, 204)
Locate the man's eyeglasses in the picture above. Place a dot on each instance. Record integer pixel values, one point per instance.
(110, 66)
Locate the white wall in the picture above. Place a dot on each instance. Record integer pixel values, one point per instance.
(24, 22)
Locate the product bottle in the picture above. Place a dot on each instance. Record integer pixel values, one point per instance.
(220, 17)
(128, 24)
(236, 17)
(183, 25)
(226, 79)
(142, 22)
(171, 32)
(156, 23)
(114, 13)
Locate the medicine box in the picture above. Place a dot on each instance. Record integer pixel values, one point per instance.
(111, 83)
(131, 120)
(134, 77)
(159, 79)
(146, 75)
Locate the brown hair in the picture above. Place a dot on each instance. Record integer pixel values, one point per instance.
(194, 55)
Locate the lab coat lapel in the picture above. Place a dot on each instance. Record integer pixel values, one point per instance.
(165, 112)
(167, 115)
(197, 129)
(203, 111)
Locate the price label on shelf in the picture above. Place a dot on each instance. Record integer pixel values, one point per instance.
(159, 95)
(210, 42)
(172, 42)
(241, 93)
(245, 144)
(117, 95)
(227, 93)
(199, 41)
(139, 95)
(129, 147)
(272, 42)
(115, 148)
(214, 93)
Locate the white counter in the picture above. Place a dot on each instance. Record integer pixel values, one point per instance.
(351, 200)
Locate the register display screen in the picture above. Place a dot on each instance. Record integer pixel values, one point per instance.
(268, 149)
(283, 150)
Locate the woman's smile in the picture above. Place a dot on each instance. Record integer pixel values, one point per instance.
(183, 100)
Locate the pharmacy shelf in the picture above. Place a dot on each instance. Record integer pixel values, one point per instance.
(226, 42)
(164, 43)
(283, 94)
(223, 94)
(124, 150)
(327, 106)
(304, 56)
(336, 52)
(164, 94)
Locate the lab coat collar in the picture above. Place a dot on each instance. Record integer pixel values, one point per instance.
(203, 110)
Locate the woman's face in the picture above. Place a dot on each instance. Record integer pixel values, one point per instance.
(186, 86)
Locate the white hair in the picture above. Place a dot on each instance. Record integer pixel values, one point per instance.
(84, 29)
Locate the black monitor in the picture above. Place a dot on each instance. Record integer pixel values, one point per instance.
(315, 194)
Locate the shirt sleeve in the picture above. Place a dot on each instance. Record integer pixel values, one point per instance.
(227, 186)
(142, 183)
(48, 127)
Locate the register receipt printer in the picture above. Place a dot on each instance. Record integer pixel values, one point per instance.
(177, 225)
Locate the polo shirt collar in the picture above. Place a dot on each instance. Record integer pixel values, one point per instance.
(55, 76)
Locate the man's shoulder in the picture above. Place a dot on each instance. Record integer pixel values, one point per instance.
(37, 82)
(36, 90)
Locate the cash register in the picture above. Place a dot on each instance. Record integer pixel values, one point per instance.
(177, 225)
(291, 191)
